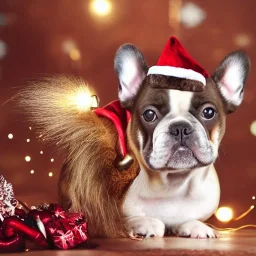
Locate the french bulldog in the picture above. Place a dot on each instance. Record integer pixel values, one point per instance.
(175, 124)
(175, 136)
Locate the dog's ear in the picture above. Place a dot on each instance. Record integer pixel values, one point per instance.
(230, 77)
(131, 69)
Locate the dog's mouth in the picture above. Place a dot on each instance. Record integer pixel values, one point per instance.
(179, 158)
(182, 152)
(182, 158)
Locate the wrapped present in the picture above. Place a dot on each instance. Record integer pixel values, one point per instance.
(47, 226)
(66, 230)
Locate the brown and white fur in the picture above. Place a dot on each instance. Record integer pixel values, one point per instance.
(172, 184)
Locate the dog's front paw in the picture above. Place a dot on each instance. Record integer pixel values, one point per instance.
(194, 229)
(145, 227)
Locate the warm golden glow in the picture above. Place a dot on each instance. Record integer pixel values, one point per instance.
(28, 140)
(75, 54)
(10, 136)
(224, 214)
(253, 128)
(41, 152)
(32, 171)
(27, 158)
(101, 7)
(50, 174)
(30, 128)
(81, 99)
(253, 198)
(52, 160)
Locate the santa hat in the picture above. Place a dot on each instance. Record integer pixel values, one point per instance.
(175, 61)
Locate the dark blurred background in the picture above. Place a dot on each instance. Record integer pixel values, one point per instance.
(40, 37)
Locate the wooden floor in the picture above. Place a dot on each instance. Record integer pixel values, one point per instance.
(236, 244)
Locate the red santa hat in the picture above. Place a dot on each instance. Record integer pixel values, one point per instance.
(175, 61)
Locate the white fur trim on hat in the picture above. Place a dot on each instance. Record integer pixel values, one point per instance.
(177, 72)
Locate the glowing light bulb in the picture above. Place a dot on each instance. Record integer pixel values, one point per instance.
(83, 100)
(32, 171)
(27, 158)
(101, 7)
(50, 174)
(41, 152)
(10, 136)
(224, 214)
(52, 160)
(253, 198)
(28, 140)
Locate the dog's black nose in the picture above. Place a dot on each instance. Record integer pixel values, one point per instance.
(181, 129)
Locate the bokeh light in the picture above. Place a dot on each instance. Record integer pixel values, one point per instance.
(10, 136)
(224, 214)
(191, 15)
(242, 40)
(32, 171)
(253, 128)
(174, 14)
(28, 140)
(27, 158)
(52, 160)
(101, 7)
(50, 174)
(3, 49)
(253, 198)
(68, 45)
(41, 152)
(75, 54)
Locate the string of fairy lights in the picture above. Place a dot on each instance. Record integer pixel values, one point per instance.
(28, 158)
(83, 100)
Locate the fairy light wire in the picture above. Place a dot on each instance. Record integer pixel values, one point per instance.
(245, 213)
(232, 229)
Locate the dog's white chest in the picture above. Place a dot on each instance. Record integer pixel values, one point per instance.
(189, 197)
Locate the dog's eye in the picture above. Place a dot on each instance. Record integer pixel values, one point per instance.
(149, 115)
(208, 113)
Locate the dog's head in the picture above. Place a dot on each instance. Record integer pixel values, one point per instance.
(173, 129)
